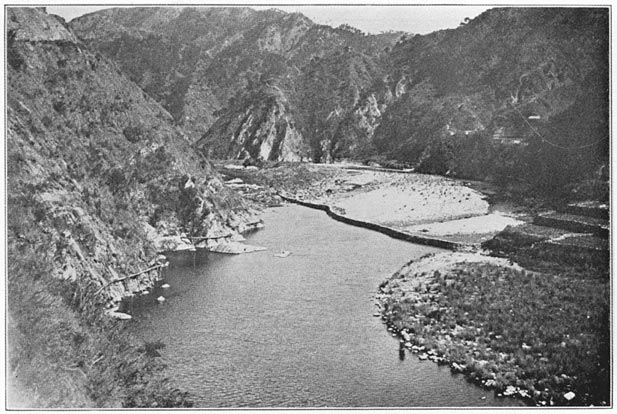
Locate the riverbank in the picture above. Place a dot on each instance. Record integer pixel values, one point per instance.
(540, 333)
(415, 207)
(538, 336)
(295, 331)
(65, 352)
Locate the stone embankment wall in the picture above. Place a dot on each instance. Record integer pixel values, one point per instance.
(397, 234)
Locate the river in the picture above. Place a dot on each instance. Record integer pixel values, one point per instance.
(256, 330)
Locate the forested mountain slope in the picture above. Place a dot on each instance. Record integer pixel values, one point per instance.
(513, 95)
(95, 171)
(534, 76)
(203, 64)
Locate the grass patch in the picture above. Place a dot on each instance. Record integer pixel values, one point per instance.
(545, 334)
(63, 349)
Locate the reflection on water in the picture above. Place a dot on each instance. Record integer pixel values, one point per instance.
(257, 330)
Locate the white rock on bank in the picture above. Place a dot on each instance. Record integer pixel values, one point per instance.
(113, 313)
(490, 383)
(510, 390)
(458, 367)
(235, 248)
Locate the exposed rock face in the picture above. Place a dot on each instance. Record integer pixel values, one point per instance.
(499, 97)
(205, 64)
(193, 60)
(41, 27)
(91, 159)
(265, 131)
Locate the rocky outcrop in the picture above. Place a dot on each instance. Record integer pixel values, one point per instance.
(92, 160)
(202, 63)
(41, 27)
(265, 130)
(514, 84)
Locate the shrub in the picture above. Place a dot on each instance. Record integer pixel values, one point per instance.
(60, 343)
(135, 133)
(59, 106)
(116, 180)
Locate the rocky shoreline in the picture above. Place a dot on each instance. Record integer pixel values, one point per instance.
(523, 334)
(421, 304)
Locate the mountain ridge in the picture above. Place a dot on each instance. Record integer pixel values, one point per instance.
(417, 99)
(270, 48)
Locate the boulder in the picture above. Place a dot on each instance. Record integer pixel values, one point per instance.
(172, 243)
(406, 336)
(510, 390)
(113, 313)
(457, 367)
(490, 383)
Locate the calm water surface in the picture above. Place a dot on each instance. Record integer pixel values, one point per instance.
(256, 330)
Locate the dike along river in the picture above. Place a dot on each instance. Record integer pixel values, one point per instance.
(256, 330)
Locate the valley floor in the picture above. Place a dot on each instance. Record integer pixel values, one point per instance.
(540, 333)
(425, 206)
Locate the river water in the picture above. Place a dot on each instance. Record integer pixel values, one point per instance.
(256, 330)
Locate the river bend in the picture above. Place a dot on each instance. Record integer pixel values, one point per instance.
(257, 330)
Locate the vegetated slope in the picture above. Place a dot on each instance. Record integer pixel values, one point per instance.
(540, 336)
(536, 76)
(94, 170)
(325, 74)
(244, 67)
(295, 118)
(186, 58)
(518, 95)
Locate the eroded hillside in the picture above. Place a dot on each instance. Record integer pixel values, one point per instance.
(215, 64)
(533, 79)
(95, 172)
(512, 95)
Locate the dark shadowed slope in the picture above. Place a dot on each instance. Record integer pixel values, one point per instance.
(95, 169)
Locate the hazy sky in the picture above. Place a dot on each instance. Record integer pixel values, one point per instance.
(372, 19)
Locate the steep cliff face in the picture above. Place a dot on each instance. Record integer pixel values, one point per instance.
(480, 101)
(95, 172)
(201, 62)
(95, 162)
(192, 60)
(328, 89)
(264, 130)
